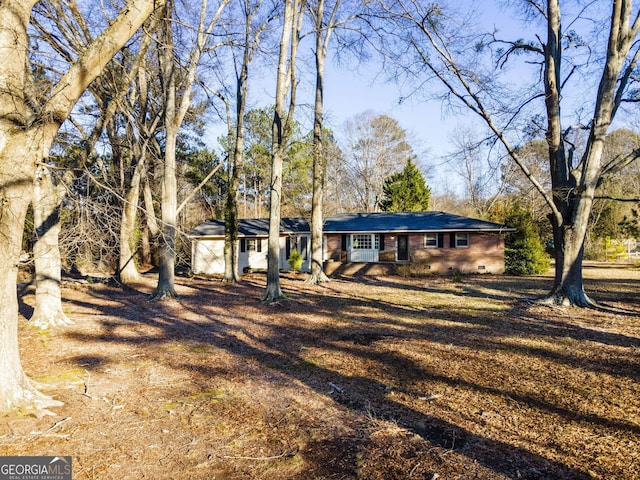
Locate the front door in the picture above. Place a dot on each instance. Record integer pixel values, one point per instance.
(403, 248)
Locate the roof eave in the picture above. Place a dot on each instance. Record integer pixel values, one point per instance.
(442, 230)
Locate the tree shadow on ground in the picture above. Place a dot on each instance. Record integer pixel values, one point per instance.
(279, 348)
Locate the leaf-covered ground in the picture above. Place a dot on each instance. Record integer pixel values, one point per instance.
(367, 378)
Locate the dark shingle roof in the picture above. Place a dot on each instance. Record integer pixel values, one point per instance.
(408, 222)
(254, 227)
(358, 222)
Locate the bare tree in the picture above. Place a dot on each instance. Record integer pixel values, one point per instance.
(110, 91)
(430, 42)
(282, 122)
(177, 90)
(256, 22)
(376, 148)
(323, 28)
(475, 164)
(25, 138)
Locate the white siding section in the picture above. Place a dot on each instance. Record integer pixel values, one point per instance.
(208, 257)
(360, 255)
(251, 258)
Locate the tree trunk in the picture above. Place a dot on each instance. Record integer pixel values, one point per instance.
(231, 212)
(16, 188)
(231, 228)
(166, 250)
(24, 142)
(273, 291)
(568, 286)
(151, 230)
(46, 205)
(127, 268)
(319, 160)
(169, 202)
(235, 161)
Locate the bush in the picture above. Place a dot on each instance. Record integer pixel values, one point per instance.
(295, 260)
(526, 261)
(524, 253)
(417, 267)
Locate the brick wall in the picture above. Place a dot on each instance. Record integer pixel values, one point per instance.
(485, 253)
(334, 248)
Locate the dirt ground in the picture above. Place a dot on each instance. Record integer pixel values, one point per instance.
(359, 378)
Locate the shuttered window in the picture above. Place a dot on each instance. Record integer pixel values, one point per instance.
(251, 245)
(462, 239)
(431, 240)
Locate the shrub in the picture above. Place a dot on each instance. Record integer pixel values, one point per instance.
(295, 260)
(526, 260)
(417, 267)
(524, 252)
(525, 255)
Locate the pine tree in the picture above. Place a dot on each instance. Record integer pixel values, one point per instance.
(406, 191)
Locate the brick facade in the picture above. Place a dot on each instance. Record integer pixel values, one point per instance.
(485, 253)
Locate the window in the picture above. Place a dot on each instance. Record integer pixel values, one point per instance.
(250, 244)
(431, 240)
(362, 242)
(462, 239)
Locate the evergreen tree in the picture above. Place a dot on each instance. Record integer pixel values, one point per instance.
(630, 226)
(524, 253)
(406, 191)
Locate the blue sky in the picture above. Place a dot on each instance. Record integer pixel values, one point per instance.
(349, 92)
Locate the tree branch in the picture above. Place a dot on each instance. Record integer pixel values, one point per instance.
(617, 199)
(90, 64)
(200, 185)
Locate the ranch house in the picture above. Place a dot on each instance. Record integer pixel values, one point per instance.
(440, 241)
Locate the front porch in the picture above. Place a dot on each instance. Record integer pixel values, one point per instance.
(367, 248)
